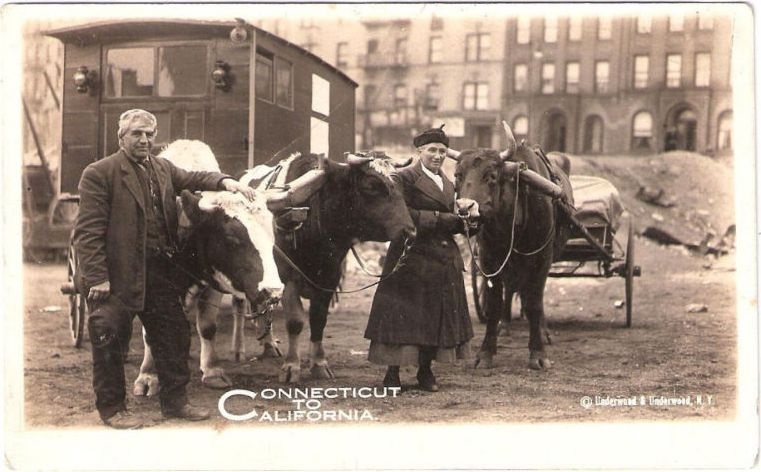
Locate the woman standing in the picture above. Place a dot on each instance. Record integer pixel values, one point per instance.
(420, 314)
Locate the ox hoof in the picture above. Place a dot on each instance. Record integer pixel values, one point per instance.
(484, 360)
(321, 371)
(217, 383)
(238, 356)
(216, 378)
(539, 361)
(146, 385)
(290, 373)
(270, 350)
(504, 329)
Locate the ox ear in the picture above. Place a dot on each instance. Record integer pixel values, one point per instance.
(190, 206)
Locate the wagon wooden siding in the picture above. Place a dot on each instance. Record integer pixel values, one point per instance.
(243, 130)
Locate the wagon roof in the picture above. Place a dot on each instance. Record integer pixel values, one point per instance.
(111, 30)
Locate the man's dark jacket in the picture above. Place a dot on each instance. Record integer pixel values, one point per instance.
(110, 231)
(424, 303)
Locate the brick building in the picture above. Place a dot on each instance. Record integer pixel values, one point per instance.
(607, 84)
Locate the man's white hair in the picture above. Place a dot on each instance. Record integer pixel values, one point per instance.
(126, 119)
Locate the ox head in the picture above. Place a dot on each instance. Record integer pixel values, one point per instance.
(489, 178)
(233, 239)
(377, 205)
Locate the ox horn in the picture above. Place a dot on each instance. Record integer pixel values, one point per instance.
(208, 202)
(354, 160)
(299, 190)
(454, 155)
(511, 145)
(534, 180)
(399, 165)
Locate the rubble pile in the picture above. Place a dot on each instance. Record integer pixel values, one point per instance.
(677, 198)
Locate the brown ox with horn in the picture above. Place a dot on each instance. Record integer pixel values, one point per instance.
(523, 230)
(348, 202)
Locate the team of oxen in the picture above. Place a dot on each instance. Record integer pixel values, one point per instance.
(291, 241)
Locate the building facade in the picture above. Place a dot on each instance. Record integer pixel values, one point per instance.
(584, 85)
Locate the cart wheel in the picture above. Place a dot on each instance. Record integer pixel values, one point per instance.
(77, 303)
(629, 273)
(478, 283)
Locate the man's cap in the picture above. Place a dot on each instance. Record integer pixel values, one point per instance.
(433, 135)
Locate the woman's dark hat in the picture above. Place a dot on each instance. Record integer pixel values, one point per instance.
(433, 135)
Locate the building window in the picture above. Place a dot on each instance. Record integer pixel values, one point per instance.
(644, 24)
(475, 96)
(705, 21)
(702, 69)
(604, 28)
(572, 77)
(642, 130)
(520, 77)
(641, 71)
(431, 97)
(550, 29)
(602, 76)
(477, 47)
(523, 34)
(437, 23)
(520, 128)
(342, 56)
(574, 28)
(284, 83)
(400, 53)
(724, 137)
(676, 23)
(264, 77)
(400, 95)
(548, 78)
(370, 91)
(593, 134)
(434, 50)
(673, 70)
(372, 46)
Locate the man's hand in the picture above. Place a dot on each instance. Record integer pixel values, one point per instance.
(234, 186)
(99, 292)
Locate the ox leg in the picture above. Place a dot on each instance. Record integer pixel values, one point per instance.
(533, 301)
(263, 330)
(147, 381)
(507, 315)
(318, 318)
(205, 307)
(494, 307)
(237, 342)
(290, 372)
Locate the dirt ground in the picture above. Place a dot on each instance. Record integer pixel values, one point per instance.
(667, 352)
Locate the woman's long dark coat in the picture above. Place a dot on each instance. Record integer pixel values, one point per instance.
(424, 303)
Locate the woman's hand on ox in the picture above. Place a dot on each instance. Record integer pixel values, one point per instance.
(234, 186)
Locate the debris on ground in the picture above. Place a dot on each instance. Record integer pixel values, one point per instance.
(51, 309)
(697, 308)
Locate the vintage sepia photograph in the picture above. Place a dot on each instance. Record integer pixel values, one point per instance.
(378, 236)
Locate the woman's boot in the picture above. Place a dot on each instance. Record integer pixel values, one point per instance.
(392, 377)
(425, 377)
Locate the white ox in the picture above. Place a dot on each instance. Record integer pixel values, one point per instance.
(236, 239)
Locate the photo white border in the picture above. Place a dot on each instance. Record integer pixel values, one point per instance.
(698, 444)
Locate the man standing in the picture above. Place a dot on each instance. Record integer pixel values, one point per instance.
(125, 236)
(420, 314)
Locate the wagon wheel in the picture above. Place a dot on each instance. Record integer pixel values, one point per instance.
(77, 302)
(629, 273)
(478, 283)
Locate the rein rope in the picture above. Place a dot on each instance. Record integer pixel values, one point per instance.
(399, 264)
(512, 248)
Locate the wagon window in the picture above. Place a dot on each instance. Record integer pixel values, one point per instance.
(284, 83)
(263, 77)
(320, 95)
(182, 71)
(129, 72)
